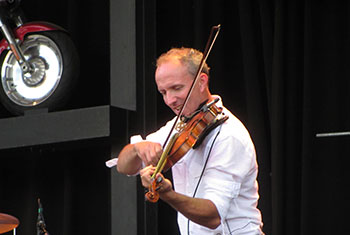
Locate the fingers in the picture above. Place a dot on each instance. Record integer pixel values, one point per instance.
(153, 154)
(149, 152)
(159, 179)
(163, 184)
(146, 174)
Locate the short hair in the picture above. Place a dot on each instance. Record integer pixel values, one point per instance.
(189, 57)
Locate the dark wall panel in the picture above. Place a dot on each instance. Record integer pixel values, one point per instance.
(123, 54)
(40, 128)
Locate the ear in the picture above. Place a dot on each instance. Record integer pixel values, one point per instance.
(203, 81)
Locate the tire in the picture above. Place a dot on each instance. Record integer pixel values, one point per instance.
(55, 60)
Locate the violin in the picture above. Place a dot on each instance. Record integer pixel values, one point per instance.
(191, 131)
(194, 131)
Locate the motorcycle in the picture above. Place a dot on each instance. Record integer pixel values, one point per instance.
(39, 63)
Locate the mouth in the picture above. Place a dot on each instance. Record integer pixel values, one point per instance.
(177, 110)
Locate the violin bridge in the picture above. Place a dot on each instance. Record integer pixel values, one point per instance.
(180, 126)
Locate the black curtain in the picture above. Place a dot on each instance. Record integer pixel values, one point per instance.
(306, 92)
(296, 75)
(282, 68)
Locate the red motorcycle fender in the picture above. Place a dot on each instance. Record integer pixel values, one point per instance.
(30, 27)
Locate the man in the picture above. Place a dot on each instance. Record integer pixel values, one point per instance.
(215, 188)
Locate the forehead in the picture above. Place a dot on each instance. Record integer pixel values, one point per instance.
(171, 72)
(171, 62)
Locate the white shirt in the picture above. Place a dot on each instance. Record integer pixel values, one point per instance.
(229, 178)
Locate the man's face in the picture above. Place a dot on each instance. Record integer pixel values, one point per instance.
(173, 82)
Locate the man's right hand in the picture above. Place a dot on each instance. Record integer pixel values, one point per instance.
(149, 152)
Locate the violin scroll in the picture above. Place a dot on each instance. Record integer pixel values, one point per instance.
(152, 195)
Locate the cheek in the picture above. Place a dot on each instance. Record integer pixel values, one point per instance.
(180, 96)
(166, 99)
(190, 108)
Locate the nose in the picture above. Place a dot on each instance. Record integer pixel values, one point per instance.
(170, 99)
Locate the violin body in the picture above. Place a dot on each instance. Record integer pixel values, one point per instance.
(194, 132)
(191, 135)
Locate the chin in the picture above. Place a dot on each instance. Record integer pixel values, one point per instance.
(176, 111)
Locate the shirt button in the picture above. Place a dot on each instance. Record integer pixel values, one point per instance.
(218, 234)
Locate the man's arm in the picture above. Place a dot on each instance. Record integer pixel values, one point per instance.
(132, 155)
(129, 162)
(198, 210)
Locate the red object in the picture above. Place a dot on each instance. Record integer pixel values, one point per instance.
(30, 27)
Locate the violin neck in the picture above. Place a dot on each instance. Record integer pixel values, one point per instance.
(163, 159)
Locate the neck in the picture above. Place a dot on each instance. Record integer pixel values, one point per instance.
(208, 96)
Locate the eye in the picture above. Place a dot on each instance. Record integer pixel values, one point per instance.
(178, 87)
(162, 92)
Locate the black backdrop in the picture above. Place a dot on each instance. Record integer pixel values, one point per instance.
(280, 66)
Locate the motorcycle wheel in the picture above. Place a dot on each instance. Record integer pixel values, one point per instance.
(55, 66)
